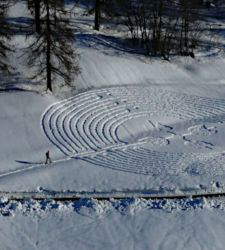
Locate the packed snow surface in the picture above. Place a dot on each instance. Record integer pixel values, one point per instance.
(156, 137)
(116, 224)
(132, 124)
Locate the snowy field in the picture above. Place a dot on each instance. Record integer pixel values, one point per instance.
(132, 123)
(127, 224)
(144, 125)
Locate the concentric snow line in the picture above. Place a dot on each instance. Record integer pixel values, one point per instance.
(51, 135)
(99, 115)
(90, 121)
(138, 161)
(80, 122)
(51, 130)
(75, 127)
(87, 125)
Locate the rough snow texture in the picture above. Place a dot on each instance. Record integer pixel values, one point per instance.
(126, 224)
(146, 125)
(179, 129)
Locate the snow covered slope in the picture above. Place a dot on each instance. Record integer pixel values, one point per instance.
(128, 224)
(151, 137)
(146, 125)
(21, 137)
(137, 125)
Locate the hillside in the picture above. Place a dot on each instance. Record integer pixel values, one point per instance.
(131, 124)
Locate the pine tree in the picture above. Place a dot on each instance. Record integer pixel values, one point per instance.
(51, 53)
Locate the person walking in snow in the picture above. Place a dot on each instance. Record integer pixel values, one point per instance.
(48, 159)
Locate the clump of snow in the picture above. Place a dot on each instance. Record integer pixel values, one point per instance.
(4, 200)
(40, 189)
(216, 186)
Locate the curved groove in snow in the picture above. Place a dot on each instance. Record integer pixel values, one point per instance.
(87, 126)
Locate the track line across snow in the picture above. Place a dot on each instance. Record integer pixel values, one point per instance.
(88, 126)
(64, 196)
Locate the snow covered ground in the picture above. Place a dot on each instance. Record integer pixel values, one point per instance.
(144, 125)
(126, 224)
(137, 124)
(157, 138)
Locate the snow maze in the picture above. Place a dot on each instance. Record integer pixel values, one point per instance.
(124, 128)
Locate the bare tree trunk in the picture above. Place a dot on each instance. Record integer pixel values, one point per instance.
(97, 14)
(186, 26)
(154, 41)
(48, 54)
(159, 30)
(37, 16)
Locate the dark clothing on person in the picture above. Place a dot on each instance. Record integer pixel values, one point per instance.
(48, 159)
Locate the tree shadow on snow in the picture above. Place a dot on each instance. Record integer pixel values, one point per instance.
(16, 82)
(101, 42)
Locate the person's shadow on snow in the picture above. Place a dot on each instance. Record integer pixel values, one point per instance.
(28, 162)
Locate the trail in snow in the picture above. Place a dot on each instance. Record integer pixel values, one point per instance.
(80, 156)
(132, 129)
(124, 194)
(92, 125)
